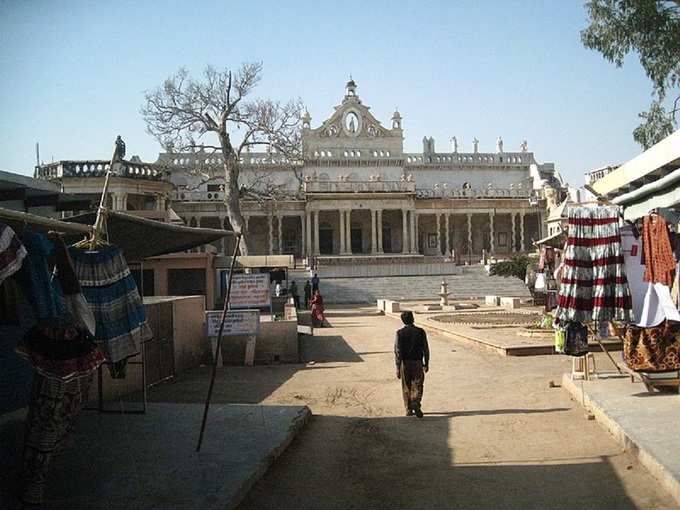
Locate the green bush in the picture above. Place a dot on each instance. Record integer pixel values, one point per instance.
(516, 266)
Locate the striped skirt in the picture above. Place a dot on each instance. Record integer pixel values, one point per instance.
(594, 285)
(111, 292)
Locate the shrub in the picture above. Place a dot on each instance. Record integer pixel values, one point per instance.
(516, 266)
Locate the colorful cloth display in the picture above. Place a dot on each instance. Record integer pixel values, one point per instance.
(659, 260)
(593, 285)
(654, 349)
(51, 414)
(12, 252)
(111, 292)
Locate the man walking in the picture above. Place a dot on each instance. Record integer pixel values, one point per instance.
(308, 294)
(412, 357)
(315, 282)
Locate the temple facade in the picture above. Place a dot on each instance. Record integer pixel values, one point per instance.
(357, 193)
(353, 193)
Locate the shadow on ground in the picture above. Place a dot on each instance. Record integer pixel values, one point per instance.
(406, 463)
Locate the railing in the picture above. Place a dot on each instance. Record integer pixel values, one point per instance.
(359, 187)
(218, 196)
(474, 193)
(475, 158)
(98, 168)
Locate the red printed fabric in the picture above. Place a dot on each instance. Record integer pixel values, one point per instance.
(593, 285)
(659, 259)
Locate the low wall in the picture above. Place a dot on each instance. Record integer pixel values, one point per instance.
(394, 269)
(277, 342)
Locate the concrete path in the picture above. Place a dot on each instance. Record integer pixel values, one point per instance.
(126, 462)
(645, 424)
(494, 435)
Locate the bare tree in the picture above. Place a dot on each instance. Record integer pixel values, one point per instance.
(183, 112)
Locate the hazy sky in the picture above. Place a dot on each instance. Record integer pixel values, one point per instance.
(73, 74)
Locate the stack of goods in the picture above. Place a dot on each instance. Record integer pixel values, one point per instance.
(593, 284)
(652, 338)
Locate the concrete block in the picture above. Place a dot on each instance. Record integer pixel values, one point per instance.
(381, 304)
(491, 300)
(510, 302)
(392, 306)
(432, 308)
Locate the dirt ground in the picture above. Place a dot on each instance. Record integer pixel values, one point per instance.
(494, 434)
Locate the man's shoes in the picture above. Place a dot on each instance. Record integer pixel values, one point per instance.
(409, 412)
(418, 412)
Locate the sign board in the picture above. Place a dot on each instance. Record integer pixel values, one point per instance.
(236, 323)
(249, 291)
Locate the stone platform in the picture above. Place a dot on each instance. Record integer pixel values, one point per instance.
(644, 424)
(149, 461)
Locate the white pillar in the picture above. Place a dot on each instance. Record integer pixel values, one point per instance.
(348, 232)
(416, 237)
(374, 237)
(280, 233)
(412, 218)
(521, 231)
(446, 226)
(343, 235)
(439, 234)
(380, 233)
(492, 247)
(316, 232)
(513, 244)
(309, 245)
(270, 223)
(303, 225)
(404, 231)
(223, 241)
(469, 225)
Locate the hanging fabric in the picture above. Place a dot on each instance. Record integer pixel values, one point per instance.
(12, 252)
(111, 292)
(654, 349)
(575, 339)
(659, 259)
(593, 284)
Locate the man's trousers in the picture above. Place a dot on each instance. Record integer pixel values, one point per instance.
(412, 379)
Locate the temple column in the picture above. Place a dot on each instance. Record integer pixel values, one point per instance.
(316, 232)
(374, 238)
(303, 241)
(309, 248)
(270, 224)
(446, 226)
(412, 219)
(280, 233)
(404, 231)
(416, 238)
(469, 225)
(348, 232)
(343, 235)
(223, 242)
(439, 234)
(380, 233)
(521, 231)
(513, 244)
(492, 247)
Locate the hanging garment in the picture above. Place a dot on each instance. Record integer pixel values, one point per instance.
(539, 285)
(575, 339)
(9, 299)
(35, 279)
(12, 252)
(54, 406)
(593, 284)
(111, 292)
(659, 259)
(654, 349)
(60, 353)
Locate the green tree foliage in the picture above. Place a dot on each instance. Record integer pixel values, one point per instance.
(516, 266)
(650, 28)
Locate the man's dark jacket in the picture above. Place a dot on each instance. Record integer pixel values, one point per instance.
(410, 343)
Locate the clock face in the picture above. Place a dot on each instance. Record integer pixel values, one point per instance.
(351, 123)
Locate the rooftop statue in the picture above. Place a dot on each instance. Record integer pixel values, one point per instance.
(119, 152)
(499, 145)
(524, 146)
(454, 143)
(475, 145)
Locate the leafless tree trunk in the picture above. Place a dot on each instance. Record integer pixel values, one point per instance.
(182, 111)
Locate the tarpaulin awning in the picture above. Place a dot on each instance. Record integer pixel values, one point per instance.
(555, 241)
(17, 219)
(140, 238)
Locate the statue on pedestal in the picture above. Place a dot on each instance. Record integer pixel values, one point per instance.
(524, 146)
(119, 152)
(454, 144)
(475, 145)
(499, 145)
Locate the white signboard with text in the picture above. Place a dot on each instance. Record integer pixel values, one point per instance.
(250, 291)
(236, 323)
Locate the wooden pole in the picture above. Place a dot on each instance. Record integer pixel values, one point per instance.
(218, 343)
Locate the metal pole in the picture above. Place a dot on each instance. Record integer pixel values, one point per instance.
(219, 343)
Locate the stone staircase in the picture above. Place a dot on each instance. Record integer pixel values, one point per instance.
(473, 283)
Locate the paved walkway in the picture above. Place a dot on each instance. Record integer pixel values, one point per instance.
(494, 435)
(647, 424)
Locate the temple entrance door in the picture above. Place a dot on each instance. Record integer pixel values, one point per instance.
(387, 240)
(357, 240)
(326, 241)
